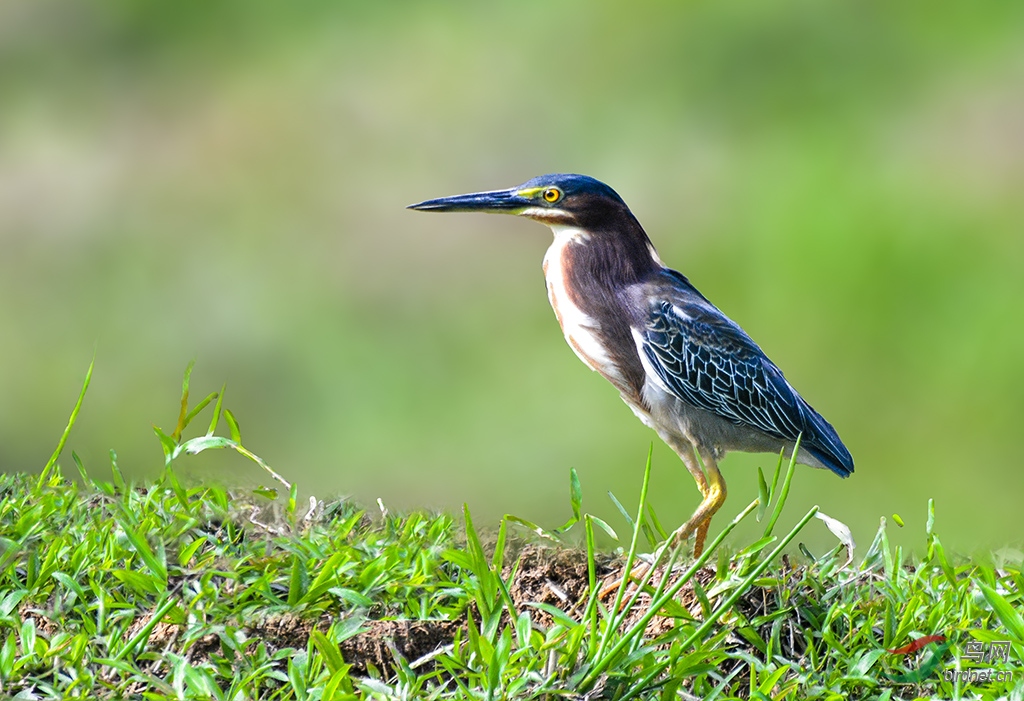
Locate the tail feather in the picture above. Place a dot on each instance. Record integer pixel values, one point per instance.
(822, 441)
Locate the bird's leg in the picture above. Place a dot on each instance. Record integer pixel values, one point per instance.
(688, 454)
(712, 486)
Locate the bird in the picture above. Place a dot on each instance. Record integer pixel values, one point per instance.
(685, 369)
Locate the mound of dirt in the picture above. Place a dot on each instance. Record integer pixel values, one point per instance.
(542, 575)
(555, 577)
(413, 640)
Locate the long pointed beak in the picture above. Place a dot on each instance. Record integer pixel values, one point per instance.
(496, 201)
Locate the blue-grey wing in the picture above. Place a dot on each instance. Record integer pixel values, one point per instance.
(707, 360)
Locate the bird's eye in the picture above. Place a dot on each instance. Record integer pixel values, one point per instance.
(552, 194)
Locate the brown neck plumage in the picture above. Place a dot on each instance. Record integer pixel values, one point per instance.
(599, 267)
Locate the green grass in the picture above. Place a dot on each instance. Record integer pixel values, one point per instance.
(164, 589)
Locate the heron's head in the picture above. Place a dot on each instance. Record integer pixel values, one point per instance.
(559, 199)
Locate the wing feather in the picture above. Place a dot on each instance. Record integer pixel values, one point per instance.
(705, 359)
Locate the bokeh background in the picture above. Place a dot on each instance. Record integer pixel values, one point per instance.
(226, 182)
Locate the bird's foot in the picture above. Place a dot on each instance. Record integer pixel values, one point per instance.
(635, 576)
(639, 572)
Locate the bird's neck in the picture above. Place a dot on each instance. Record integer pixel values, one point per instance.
(611, 258)
(586, 273)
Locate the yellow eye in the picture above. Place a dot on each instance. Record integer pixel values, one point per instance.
(552, 194)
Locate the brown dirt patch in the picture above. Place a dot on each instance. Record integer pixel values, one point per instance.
(162, 635)
(45, 626)
(413, 640)
(287, 630)
(686, 597)
(559, 578)
(377, 645)
(543, 575)
(555, 577)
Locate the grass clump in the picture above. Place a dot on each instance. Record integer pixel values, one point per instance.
(113, 589)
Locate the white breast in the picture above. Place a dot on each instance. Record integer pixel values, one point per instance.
(580, 329)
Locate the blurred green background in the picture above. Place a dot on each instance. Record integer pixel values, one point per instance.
(227, 181)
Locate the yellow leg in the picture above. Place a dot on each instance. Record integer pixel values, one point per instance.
(712, 486)
(702, 534)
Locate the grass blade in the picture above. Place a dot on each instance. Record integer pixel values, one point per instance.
(622, 510)
(144, 632)
(236, 434)
(745, 585)
(781, 501)
(198, 408)
(778, 471)
(217, 410)
(1009, 616)
(632, 552)
(603, 661)
(45, 474)
(183, 413)
(763, 495)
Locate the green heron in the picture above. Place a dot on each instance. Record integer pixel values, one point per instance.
(683, 367)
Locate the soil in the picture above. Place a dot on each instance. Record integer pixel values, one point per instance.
(542, 575)
(555, 577)
(414, 640)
